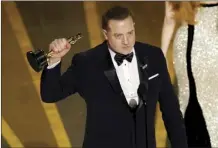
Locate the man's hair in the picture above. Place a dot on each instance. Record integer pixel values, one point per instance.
(115, 13)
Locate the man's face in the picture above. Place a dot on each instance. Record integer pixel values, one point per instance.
(121, 35)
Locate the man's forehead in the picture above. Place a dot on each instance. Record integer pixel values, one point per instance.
(127, 20)
(121, 26)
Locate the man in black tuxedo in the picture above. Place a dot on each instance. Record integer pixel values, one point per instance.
(121, 81)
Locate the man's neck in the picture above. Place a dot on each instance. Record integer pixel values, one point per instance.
(113, 50)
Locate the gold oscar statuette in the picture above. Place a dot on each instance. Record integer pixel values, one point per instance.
(38, 58)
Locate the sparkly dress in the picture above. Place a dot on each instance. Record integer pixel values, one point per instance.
(196, 66)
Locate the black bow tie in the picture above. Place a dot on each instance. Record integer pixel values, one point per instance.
(120, 57)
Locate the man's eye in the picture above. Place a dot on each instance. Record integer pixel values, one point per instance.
(118, 36)
(130, 33)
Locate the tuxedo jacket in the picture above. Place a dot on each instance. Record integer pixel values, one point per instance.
(109, 121)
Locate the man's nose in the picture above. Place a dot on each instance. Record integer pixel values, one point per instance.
(125, 40)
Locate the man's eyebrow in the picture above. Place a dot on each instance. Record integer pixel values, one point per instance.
(117, 33)
(131, 31)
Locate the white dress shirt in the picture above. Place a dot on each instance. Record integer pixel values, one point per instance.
(128, 76)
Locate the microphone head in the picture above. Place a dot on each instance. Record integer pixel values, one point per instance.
(133, 104)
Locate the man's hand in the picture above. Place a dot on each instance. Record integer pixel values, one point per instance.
(58, 49)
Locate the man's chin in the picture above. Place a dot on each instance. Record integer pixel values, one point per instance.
(127, 50)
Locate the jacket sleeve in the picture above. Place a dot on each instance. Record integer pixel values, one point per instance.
(170, 109)
(55, 87)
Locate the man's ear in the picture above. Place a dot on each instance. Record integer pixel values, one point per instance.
(105, 34)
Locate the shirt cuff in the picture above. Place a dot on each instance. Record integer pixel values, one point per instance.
(53, 65)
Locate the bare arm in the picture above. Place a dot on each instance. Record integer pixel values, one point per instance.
(168, 28)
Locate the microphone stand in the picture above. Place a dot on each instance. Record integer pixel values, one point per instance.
(134, 118)
(133, 105)
(146, 129)
(142, 92)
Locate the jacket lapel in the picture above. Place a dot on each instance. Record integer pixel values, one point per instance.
(110, 73)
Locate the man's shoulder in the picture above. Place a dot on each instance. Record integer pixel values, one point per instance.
(91, 53)
(153, 54)
(148, 49)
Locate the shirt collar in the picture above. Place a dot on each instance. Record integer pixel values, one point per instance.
(112, 53)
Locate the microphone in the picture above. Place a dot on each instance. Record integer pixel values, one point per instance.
(133, 104)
